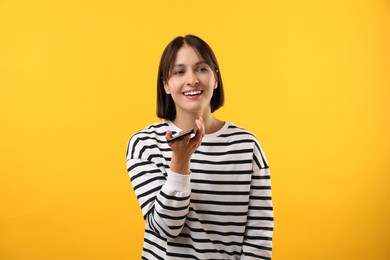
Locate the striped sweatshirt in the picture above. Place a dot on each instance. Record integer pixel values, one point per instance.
(221, 210)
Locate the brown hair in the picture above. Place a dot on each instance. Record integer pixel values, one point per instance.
(165, 105)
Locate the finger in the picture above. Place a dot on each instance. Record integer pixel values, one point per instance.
(168, 135)
(204, 127)
(198, 130)
(199, 135)
(201, 126)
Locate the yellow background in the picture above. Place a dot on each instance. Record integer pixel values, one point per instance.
(309, 78)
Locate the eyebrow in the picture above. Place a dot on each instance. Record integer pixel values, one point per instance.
(182, 65)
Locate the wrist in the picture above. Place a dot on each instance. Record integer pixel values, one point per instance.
(180, 166)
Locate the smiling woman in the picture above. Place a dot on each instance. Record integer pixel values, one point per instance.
(200, 62)
(206, 196)
(191, 79)
(309, 78)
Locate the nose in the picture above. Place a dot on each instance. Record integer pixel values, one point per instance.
(192, 79)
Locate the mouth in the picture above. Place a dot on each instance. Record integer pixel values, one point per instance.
(193, 93)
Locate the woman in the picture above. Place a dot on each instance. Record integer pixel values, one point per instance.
(206, 196)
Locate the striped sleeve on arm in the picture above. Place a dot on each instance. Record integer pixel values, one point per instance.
(260, 222)
(163, 195)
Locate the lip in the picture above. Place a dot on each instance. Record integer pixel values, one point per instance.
(193, 95)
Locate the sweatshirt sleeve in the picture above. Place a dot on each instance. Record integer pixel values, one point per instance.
(163, 195)
(260, 221)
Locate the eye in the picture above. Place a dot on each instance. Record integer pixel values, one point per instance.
(178, 72)
(202, 69)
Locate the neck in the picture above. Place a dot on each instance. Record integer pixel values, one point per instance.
(187, 122)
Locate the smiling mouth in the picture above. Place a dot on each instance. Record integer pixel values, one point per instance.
(193, 93)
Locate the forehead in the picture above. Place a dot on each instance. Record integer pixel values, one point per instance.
(187, 54)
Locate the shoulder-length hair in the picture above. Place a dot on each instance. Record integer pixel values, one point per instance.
(165, 105)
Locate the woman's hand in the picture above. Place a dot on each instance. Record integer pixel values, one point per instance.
(184, 148)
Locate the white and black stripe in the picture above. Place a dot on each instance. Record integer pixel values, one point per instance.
(222, 210)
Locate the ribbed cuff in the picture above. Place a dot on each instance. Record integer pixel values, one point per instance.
(178, 182)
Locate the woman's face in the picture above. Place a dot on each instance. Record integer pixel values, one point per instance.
(191, 82)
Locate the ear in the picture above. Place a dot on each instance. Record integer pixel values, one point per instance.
(166, 88)
(216, 79)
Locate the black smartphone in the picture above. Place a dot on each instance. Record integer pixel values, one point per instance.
(181, 135)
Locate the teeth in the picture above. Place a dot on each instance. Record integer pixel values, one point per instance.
(192, 93)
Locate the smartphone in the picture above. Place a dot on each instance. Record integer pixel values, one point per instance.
(181, 135)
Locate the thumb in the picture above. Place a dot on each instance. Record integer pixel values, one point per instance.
(168, 135)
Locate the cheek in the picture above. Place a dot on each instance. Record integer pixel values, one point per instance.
(174, 84)
(211, 81)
